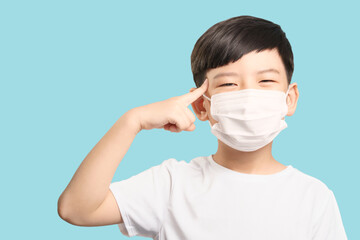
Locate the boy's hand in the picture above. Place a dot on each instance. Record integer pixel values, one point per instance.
(171, 114)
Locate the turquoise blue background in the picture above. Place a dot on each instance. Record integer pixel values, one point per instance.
(70, 69)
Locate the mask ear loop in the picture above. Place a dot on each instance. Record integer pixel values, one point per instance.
(206, 97)
(211, 126)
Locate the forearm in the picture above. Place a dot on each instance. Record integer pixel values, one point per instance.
(90, 183)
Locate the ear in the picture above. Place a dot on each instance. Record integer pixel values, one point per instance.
(292, 99)
(198, 107)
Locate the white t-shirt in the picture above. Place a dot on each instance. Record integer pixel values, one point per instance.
(202, 200)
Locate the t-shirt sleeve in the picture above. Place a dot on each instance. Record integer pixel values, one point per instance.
(142, 199)
(329, 225)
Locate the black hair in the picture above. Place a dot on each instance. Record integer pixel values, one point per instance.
(227, 41)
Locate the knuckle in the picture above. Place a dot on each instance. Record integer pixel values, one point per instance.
(176, 99)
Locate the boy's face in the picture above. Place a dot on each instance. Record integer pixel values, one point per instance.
(247, 73)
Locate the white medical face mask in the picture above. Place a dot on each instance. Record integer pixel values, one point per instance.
(248, 119)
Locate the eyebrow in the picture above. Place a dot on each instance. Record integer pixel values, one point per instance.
(269, 70)
(225, 74)
(235, 74)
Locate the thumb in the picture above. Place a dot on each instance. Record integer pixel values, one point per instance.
(191, 128)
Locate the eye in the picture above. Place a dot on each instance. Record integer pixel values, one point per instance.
(226, 84)
(267, 81)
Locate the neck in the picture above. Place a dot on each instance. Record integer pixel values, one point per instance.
(260, 161)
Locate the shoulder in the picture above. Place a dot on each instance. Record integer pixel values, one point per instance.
(311, 185)
(309, 180)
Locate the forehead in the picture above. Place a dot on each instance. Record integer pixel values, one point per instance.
(252, 64)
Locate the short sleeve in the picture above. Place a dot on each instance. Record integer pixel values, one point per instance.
(329, 225)
(142, 200)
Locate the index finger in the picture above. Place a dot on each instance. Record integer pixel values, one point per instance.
(192, 96)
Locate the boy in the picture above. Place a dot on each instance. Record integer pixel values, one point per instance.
(242, 68)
